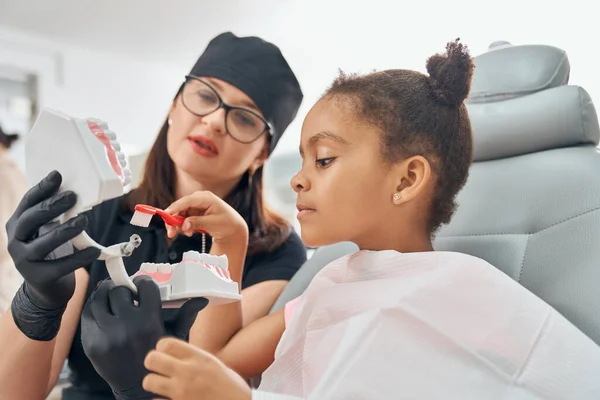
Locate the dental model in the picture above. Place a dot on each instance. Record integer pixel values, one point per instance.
(89, 158)
(197, 275)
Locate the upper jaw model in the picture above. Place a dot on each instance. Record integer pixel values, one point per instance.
(89, 158)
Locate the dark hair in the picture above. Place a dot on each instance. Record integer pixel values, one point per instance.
(267, 229)
(7, 140)
(420, 114)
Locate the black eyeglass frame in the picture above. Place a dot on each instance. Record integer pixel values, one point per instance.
(268, 127)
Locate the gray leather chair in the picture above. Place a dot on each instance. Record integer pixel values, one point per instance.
(531, 206)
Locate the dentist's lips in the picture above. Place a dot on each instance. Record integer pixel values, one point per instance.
(203, 146)
(304, 211)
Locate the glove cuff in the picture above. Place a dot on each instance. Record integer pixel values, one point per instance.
(34, 322)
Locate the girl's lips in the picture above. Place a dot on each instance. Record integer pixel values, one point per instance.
(305, 212)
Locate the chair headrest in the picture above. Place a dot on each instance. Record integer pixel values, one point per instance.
(520, 103)
(508, 71)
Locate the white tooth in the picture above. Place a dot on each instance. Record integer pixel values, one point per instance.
(99, 122)
(115, 145)
(110, 135)
(127, 180)
(123, 163)
(191, 256)
(164, 268)
(223, 262)
(203, 257)
(148, 267)
(212, 260)
(121, 156)
(126, 171)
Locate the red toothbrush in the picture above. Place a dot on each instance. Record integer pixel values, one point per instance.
(143, 215)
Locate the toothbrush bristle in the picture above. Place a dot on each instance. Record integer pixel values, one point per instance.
(141, 219)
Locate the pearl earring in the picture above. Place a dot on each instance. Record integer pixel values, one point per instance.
(169, 121)
(397, 196)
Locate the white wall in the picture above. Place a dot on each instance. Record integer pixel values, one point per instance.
(132, 96)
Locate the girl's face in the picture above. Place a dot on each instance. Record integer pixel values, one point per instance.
(200, 146)
(346, 189)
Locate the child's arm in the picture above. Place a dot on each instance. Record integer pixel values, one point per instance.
(252, 350)
(181, 371)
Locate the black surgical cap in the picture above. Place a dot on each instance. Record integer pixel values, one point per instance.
(257, 68)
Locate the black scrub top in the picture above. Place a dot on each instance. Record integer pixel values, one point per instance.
(108, 225)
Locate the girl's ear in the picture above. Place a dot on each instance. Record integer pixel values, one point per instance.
(412, 176)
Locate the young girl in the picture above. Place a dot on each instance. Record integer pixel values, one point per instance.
(384, 156)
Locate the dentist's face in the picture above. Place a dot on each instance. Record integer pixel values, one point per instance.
(200, 147)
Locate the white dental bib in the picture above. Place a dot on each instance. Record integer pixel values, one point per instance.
(436, 325)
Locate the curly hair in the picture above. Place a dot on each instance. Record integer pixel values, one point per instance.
(420, 115)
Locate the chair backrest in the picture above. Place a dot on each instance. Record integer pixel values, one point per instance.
(531, 206)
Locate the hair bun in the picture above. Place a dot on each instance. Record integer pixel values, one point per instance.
(450, 74)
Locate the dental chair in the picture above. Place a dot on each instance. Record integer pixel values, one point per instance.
(531, 206)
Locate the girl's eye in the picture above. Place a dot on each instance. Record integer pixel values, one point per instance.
(324, 162)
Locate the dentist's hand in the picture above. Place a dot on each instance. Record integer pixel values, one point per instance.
(44, 256)
(117, 334)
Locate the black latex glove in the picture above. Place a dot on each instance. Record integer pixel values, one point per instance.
(117, 334)
(36, 248)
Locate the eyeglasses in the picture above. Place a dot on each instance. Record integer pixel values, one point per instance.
(201, 99)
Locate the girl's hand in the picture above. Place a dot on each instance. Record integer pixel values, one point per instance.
(180, 371)
(207, 212)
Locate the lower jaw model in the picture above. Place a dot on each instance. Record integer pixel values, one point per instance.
(197, 275)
